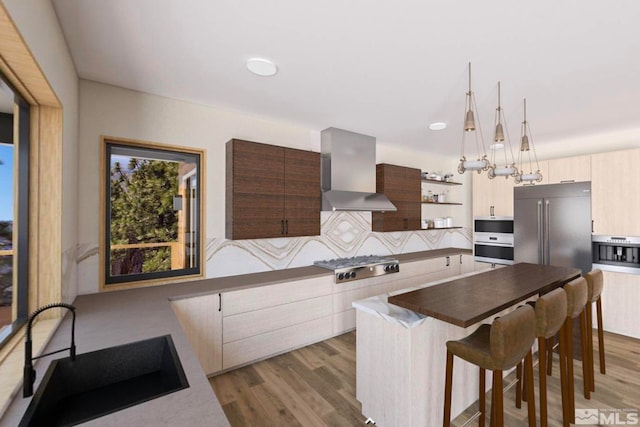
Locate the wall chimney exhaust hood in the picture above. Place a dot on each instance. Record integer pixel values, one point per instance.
(348, 173)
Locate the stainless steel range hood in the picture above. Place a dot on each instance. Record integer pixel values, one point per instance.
(349, 173)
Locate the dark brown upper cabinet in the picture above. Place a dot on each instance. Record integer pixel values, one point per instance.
(271, 191)
(402, 186)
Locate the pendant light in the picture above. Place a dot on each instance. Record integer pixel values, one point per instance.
(482, 163)
(526, 149)
(498, 145)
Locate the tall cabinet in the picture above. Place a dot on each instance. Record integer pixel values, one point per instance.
(271, 191)
(614, 193)
(402, 185)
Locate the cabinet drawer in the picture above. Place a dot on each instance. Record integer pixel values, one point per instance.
(430, 266)
(342, 301)
(260, 346)
(268, 296)
(245, 325)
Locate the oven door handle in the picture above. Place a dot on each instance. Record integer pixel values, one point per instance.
(499, 244)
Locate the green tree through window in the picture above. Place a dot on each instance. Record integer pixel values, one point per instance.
(142, 212)
(150, 230)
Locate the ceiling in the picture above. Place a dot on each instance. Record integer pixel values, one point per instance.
(386, 69)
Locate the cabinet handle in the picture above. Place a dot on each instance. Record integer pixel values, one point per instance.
(460, 258)
(282, 226)
(286, 226)
(491, 211)
(592, 226)
(219, 302)
(448, 262)
(567, 181)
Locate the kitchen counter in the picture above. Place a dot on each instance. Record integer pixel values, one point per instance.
(246, 281)
(468, 300)
(113, 318)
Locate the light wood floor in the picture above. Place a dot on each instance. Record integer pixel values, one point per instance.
(315, 386)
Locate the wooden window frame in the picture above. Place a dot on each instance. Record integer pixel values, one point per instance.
(45, 270)
(141, 280)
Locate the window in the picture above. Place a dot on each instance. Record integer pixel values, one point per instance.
(14, 181)
(152, 212)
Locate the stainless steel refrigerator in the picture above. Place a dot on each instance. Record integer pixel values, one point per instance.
(552, 225)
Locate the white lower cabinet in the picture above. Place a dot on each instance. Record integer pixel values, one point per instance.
(620, 297)
(241, 327)
(201, 320)
(267, 320)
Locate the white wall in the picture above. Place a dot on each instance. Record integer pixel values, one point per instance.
(118, 112)
(37, 22)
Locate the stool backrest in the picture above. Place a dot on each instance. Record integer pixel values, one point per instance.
(512, 336)
(576, 296)
(595, 283)
(551, 312)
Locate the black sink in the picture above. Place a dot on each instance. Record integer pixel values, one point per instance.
(105, 381)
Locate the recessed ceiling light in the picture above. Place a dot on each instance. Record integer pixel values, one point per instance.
(262, 67)
(437, 126)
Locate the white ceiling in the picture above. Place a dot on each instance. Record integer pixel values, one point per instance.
(384, 68)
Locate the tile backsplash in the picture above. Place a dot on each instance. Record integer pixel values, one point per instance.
(343, 234)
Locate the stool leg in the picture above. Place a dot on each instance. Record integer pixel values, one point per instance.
(531, 403)
(498, 399)
(519, 385)
(586, 370)
(563, 378)
(542, 352)
(550, 343)
(482, 394)
(525, 394)
(568, 335)
(492, 417)
(603, 370)
(446, 422)
(589, 325)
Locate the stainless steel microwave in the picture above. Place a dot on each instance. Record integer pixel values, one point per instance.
(493, 239)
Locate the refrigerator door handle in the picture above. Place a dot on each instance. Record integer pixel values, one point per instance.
(540, 234)
(547, 227)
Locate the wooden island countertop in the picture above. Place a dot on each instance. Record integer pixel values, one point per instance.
(471, 299)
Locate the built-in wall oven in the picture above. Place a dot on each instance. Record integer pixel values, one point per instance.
(616, 253)
(493, 239)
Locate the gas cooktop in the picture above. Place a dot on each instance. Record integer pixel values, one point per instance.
(360, 267)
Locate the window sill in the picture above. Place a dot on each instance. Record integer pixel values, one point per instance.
(12, 359)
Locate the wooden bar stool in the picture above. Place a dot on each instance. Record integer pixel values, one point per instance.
(595, 284)
(576, 291)
(551, 313)
(497, 347)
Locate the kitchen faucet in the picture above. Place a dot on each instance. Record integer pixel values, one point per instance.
(29, 372)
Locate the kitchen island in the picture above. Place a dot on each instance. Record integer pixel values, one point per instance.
(400, 364)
